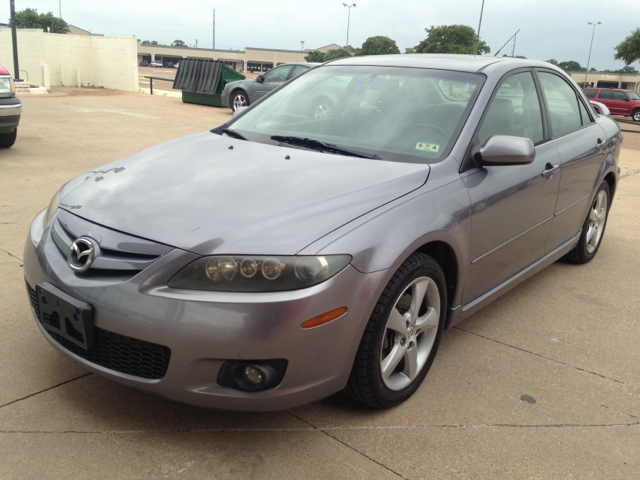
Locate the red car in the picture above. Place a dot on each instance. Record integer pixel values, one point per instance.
(10, 110)
(619, 102)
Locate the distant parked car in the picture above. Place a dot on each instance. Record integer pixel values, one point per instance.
(618, 101)
(143, 63)
(168, 65)
(244, 92)
(156, 64)
(177, 65)
(10, 109)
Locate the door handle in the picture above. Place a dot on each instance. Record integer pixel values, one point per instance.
(550, 170)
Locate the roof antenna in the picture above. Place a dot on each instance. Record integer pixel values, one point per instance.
(506, 43)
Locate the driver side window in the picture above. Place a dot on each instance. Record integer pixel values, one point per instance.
(515, 110)
(278, 74)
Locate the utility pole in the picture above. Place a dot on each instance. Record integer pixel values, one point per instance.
(479, 25)
(60, 7)
(214, 28)
(302, 43)
(589, 59)
(14, 37)
(348, 20)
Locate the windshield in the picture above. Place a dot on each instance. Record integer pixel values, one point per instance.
(399, 114)
(633, 95)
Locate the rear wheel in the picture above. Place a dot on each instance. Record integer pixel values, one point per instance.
(593, 227)
(402, 336)
(636, 115)
(8, 139)
(239, 99)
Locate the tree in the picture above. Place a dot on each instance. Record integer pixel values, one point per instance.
(409, 50)
(451, 39)
(593, 69)
(30, 18)
(629, 49)
(627, 69)
(147, 42)
(552, 61)
(571, 66)
(517, 56)
(315, 57)
(178, 43)
(336, 53)
(379, 45)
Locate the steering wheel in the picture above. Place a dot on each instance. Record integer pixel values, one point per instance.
(431, 126)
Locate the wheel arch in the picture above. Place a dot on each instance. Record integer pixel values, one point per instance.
(445, 255)
(610, 178)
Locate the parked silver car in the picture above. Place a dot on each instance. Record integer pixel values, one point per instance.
(282, 257)
(245, 92)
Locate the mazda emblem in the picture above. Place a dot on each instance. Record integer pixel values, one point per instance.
(82, 254)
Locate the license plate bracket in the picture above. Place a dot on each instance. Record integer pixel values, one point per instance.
(66, 316)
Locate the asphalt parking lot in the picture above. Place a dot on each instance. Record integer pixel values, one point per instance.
(544, 383)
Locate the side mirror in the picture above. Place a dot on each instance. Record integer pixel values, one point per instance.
(506, 150)
(260, 79)
(238, 111)
(600, 108)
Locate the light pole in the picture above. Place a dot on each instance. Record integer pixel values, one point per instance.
(302, 43)
(479, 25)
(589, 59)
(348, 19)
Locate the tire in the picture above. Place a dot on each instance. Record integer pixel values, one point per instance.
(636, 115)
(239, 98)
(8, 139)
(593, 227)
(398, 346)
(321, 107)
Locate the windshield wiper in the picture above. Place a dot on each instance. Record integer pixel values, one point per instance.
(321, 146)
(232, 134)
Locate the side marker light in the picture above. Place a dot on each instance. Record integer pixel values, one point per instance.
(325, 318)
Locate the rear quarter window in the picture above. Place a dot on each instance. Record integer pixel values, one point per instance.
(591, 92)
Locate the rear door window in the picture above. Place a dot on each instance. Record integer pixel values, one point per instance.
(515, 110)
(606, 95)
(562, 102)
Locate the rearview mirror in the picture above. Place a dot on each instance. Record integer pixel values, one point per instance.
(507, 150)
(259, 79)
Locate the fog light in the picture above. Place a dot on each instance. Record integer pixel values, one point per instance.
(252, 375)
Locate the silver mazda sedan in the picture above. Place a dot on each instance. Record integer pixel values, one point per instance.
(282, 257)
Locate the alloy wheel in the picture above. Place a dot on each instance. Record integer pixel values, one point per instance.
(410, 333)
(239, 100)
(597, 219)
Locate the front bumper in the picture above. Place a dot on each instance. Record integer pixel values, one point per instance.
(10, 111)
(203, 330)
(224, 97)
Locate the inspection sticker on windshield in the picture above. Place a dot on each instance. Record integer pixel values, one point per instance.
(428, 147)
(367, 81)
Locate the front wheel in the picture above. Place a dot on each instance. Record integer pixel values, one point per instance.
(636, 115)
(8, 139)
(593, 227)
(239, 99)
(402, 336)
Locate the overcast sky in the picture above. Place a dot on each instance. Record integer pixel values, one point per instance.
(548, 28)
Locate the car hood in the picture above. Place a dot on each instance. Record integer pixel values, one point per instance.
(210, 194)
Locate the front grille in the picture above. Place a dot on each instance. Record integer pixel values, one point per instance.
(114, 351)
(119, 255)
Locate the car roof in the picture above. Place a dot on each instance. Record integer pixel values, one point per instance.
(4, 71)
(463, 63)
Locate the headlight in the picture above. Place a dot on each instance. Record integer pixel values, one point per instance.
(6, 85)
(258, 273)
(51, 209)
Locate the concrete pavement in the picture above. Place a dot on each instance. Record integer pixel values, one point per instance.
(543, 383)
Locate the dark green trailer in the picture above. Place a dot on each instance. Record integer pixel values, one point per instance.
(203, 79)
